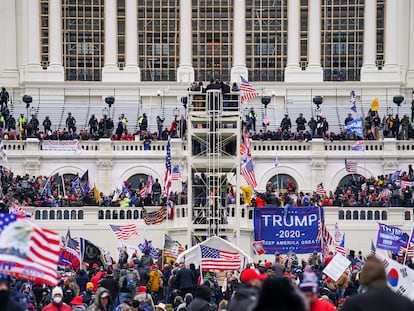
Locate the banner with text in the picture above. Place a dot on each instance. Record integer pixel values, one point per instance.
(391, 238)
(62, 145)
(296, 231)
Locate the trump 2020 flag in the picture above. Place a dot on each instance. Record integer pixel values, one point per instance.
(28, 251)
(215, 259)
(355, 127)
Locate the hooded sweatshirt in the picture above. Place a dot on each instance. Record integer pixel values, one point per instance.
(97, 306)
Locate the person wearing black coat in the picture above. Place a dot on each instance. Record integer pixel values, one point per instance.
(81, 279)
(6, 303)
(379, 296)
(184, 279)
(112, 286)
(202, 299)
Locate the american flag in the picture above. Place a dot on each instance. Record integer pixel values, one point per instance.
(142, 192)
(249, 92)
(247, 143)
(152, 218)
(248, 173)
(352, 100)
(167, 176)
(340, 248)
(323, 233)
(386, 193)
(124, 232)
(351, 166)
(175, 174)
(406, 183)
(214, 259)
(72, 243)
(320, 190)
(30, 252)
(170, 209)
(358, 146)
(150, 182)
(17, 209)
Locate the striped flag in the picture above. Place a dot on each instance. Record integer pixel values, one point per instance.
(358, 146)
(150, 182)
(320, 190)
(340, 248)
(17, 209)
(175, 174)
(152, 218)
(124, 232)
(167, 176)
(406, 183)
(249, 92)
(215, 259)
(142, 192)
(323, 233)
(337, 234)
(351, 166)
(247, 172)
(28, 251)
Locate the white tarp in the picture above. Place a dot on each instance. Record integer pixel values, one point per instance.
(193, 254)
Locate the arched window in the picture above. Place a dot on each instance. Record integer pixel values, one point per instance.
(348, 215)
(407, 215)
(283, 182)
(44, 215)
(101, 214)
(348, 180)
(136, 179)
(355, 215)
(108, 214)
(369, 217)
(129, 214)
(362, 215)
(80, 214)
(65, 214)
(59, 214)
(377, 215)
(121, 214)
(341, 215)
(52, 215)
(37, 214)
(73, 215)
(384, 215)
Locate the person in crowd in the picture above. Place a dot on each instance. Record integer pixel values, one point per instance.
(253, 117)
(156, 192)
(280, 294)
(4, 98)
(144, 298)
(405, 124)
(71, 123)
(103, 300)
(300, 123)
(57, 303)
(309, 287)
(6, 303)
(247, 292)
(286, 124)
(185, 281)
(312, 127)
(77, 304)
(110, 283)
(47, 125)
(377, 295)
(160, 125)
(278, 267)
(93, 125)
(202, 298)
(187, 300)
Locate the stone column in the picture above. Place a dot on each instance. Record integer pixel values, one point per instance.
(185, 71)
(370, 40)
(239, 41)
(9, 75)
(33, 40)
(314, 69)
(292, 68)
(55, 40)
(410, 71)
(131, 41)
(110, 69)
(391, 35)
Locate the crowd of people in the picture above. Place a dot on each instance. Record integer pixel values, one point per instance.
(141, 283)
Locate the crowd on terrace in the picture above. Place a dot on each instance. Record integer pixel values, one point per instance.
(391, 190)
(374, 127)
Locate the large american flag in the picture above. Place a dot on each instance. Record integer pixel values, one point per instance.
(247, 172)
(249, 92)
(340, 248)
(214, 259)
(406, 183)
(172, 248)
(30, 252)
(167, 176)
(351, 166)
(152, 218)
(323, 233)
(124, 232)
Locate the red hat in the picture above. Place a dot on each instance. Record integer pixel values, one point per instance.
(251, 274)
(268, 264)
(142, 289)
(153, 267)
(77, 301)
(95, 265)
(132, 265)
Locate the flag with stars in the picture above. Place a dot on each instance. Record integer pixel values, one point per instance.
(124, 232)
(28, 251)
(215, 259)
(167, 176)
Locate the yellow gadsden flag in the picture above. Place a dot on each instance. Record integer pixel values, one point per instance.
(96, 194)
(247, 192)
(375, 104)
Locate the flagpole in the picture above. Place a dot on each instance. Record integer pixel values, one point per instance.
(408, 245)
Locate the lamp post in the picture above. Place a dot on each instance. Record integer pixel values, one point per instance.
(105, 116)
(265, 101)
(398, 99)
(318, 100)
(28, 100)
(109, 100)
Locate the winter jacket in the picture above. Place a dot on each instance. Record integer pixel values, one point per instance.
(244, 298)
(184, 278)
(96, 306)
(54, 307)
(202, 300)
(81, 280)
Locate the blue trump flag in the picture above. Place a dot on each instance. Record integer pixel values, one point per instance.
(391, 238)
(297, 231)
(354, 127)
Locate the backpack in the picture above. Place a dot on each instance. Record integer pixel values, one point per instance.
(146, 304)
(127, 284)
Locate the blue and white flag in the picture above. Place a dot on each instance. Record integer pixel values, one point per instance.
(355, 127)
(352, 100)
